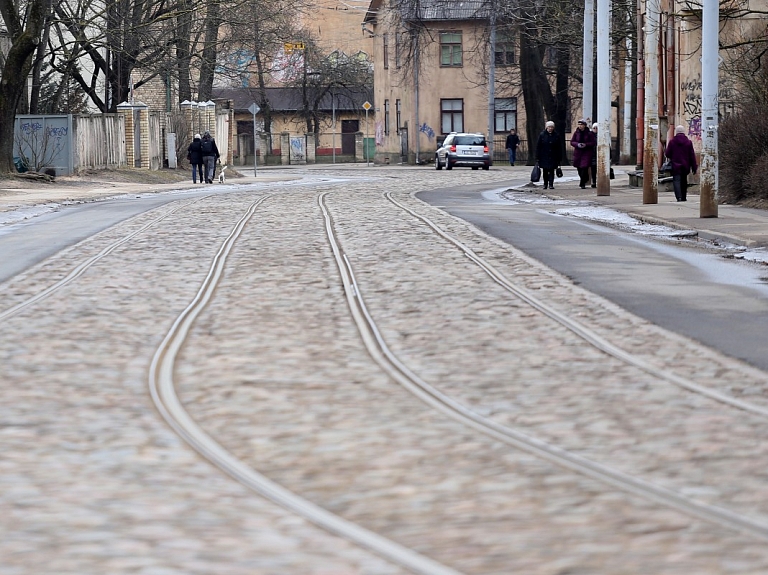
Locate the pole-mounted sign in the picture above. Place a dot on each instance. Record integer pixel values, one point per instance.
(254, 109)
(366, 106)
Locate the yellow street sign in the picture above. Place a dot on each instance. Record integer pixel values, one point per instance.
(291, 46)
(367, 106)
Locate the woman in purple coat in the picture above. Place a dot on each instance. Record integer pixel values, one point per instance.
(683, 159)
(583, 142)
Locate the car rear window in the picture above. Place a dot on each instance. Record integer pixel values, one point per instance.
(470, 141)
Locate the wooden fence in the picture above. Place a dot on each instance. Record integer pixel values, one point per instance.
(99, 141)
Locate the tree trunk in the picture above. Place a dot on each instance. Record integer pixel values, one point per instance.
(183, 55)
(535, 91)
(18, 65)
(208, 64)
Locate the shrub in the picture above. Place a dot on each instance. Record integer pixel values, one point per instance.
(743, 150)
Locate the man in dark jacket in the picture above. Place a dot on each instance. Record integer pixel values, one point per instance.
(681, 155)
(195, 157)
(210, 155)
(549, 149)
(513, 141)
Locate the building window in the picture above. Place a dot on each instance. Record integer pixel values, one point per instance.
(398, 115)
(450, 49)
(386, 117)
(398, 49)
(505, 51)
(386, 51)
(451, 116)
(505, 114)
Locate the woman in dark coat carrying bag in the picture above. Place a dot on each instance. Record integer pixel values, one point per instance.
(549, 150)
(681, 155)
(583, 142)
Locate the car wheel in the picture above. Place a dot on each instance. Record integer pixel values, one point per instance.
(486, 167)
(474, 167)
(438, 165)
(448, 165)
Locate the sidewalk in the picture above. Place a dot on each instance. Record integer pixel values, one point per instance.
(746, 227)
(16, 194)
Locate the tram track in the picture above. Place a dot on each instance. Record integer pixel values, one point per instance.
(579, 329)
(388, 361)
(163, 392)
(80, 269)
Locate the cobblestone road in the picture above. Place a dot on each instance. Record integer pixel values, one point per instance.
(93, 481)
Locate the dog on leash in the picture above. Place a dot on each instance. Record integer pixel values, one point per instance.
(222, 178)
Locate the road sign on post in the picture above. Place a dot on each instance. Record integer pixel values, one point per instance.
(254, 109)
(367, 106)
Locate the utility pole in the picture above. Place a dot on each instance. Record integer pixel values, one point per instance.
(603, 97)
(492, 85)
(710, 60)
(651, 140)
(588, 59)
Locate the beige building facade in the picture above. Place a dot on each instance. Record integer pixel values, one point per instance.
(415, 110)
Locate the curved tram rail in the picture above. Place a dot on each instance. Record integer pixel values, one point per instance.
(83, 267)
(164, 395)
(384, 357)
(582, 331)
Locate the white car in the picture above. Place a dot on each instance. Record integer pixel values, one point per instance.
(463, 149)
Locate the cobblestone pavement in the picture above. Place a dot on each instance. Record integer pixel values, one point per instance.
(93, 481)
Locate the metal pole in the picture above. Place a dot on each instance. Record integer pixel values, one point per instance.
(255, 145)
(626, 143)
(416, 92)
(710, 58)
(333, 112)
(588, 58)
(365, 144)
(651, 140)
(492, 87)
(603, 97)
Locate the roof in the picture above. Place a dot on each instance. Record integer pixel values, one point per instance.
(436, 10)
(286, 99)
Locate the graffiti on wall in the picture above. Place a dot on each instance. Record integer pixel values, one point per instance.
(690, 92)
(427, 130)
(298, 149)
(40, 144)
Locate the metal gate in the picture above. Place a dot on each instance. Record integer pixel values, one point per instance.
(45, 142)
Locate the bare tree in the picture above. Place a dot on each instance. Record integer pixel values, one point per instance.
(24, 22)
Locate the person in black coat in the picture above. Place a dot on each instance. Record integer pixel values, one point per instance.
(195, 157)
(210, 155)
(549, 150)
(513, 141)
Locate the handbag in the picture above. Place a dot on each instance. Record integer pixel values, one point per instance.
(666, 166)
(536, 173)
(612, 175)
(559, 172)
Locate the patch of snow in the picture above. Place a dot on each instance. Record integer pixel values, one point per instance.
(623, 221)
(26, 213)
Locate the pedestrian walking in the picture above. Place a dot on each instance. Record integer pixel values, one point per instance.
(549, 151)
(583, 143)
(513, 141)
(681, 155)
(210, 155)
(195, 157)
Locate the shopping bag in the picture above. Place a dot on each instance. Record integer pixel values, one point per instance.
(559, 172)
(536, 173)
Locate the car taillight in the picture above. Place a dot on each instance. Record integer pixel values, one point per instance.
(485, 149)
(453, 148)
